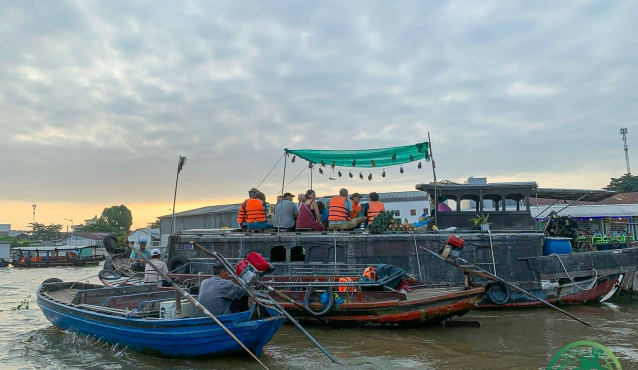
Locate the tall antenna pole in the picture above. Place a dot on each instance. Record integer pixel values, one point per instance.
(623, 132)
(33, 213)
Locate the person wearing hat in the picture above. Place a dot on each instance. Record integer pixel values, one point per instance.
(217, 292)
(137, 263)
(356, 207)
(284, 213)
(150, 275)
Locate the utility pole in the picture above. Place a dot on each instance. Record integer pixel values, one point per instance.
(33, 213)
(623, 132)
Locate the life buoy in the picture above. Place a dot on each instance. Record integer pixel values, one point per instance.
(179, 265)
(346, 288)
(370, 273)
(307, 301)
(498, 293)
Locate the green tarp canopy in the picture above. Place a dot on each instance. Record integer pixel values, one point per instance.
(383, 157)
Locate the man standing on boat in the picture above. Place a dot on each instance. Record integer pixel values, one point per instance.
(218, 292)
(137, 263)
(339, 213)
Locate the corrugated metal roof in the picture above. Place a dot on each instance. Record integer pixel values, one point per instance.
(395, 196)
(206, 210)
(622, 198)
(599, 210)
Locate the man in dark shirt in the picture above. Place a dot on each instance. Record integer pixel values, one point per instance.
(217, 292)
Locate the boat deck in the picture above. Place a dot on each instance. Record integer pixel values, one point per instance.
(64, 295)
(432, 292)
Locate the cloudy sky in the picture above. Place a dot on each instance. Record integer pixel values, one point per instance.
(99, 98)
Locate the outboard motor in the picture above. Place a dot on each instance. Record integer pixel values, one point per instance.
(452, 247)
(252, 268)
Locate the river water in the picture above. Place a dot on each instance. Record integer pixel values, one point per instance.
(522, 339)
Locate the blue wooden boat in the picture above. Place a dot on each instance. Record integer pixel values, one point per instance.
(139, 318)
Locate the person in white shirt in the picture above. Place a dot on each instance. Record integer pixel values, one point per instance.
(150, 275)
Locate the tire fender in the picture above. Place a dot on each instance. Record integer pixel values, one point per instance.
(179, 265)
(498, 293)
(331, 302)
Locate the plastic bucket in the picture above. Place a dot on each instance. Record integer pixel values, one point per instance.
(557, 245)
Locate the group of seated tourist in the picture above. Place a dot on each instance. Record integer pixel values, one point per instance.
(342, 212)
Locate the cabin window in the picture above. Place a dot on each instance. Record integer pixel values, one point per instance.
(413, 212)
(297, 254)
(426, 211)
(278, 254)
(397, 213)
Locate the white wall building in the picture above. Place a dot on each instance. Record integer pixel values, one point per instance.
(152, 237)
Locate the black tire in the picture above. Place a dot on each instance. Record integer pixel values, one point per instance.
(108, 264)
(498, 293)
(194, 290)
(179, 265)
(331, 302)
(110, 244)
(108, 275)
(52, 280)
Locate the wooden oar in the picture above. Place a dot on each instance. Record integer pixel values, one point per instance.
(487, 275)
(223, 260)
(194, 302)
(290, 318)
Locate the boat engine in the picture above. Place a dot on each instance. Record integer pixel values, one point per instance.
(452, 247)
(252, 268)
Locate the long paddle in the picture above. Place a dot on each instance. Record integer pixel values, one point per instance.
(194, 302)
(223, 260)
(486, 274)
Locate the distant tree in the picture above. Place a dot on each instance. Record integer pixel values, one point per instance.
(154, 225)
(119, 218)
(625, 184)
(42, 232)
(113, 219)
(13, 242)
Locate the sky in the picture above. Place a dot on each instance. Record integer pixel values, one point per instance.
(98, 99)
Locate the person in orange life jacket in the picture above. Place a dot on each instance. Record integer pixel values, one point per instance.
(339, 213)
(356, 207)
(373, 208)
(253, 212)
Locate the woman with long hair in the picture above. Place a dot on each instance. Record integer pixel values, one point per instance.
(309, 216)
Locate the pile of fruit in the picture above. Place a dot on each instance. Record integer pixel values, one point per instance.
(385, 221)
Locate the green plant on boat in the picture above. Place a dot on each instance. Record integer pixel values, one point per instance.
(480, 220)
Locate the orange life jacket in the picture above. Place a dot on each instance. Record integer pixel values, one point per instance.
(252, 210)
(24, 259)
(370, 273)
(337, 210)
(374, 208)
(346, 288)
(356, 208)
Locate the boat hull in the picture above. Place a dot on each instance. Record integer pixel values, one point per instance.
(391, 313)
(565, 294)
(78, 263)
(178, 338)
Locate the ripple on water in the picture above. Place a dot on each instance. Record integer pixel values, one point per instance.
(507, 339)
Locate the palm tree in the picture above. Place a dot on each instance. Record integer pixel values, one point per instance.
(180, 166)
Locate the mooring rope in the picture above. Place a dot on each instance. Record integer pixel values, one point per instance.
(418, 261)
(591, 286)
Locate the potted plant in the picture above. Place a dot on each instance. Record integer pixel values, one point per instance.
(480, 222)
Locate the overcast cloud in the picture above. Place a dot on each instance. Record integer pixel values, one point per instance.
(99, 98)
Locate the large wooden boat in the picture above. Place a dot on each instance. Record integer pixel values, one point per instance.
(354, 302)
(138, 318)
(56, 256)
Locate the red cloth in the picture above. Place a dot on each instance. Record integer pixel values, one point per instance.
(306, 219)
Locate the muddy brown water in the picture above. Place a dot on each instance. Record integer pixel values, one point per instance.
(522, 339)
